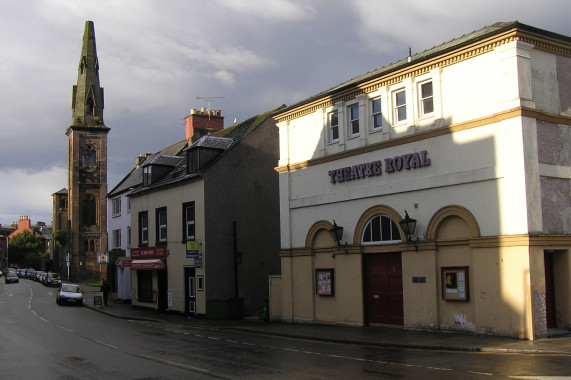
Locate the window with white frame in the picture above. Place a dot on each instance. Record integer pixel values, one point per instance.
(353, 120)
(189, 221)
(116, 238)
(161, 219)
(116, 206)
(333, 126)
(376, 114)
(143, 228)
(381, 229)
(426, 99)
(399, 102)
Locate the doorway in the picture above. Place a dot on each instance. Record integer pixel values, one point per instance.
(190, 290)
(383, 288)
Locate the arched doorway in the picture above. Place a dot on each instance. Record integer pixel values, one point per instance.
(380, 237)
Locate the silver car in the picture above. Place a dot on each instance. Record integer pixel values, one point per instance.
(70, 294)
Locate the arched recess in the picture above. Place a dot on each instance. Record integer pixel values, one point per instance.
(372, 211)
(315, 230)
(452, 211)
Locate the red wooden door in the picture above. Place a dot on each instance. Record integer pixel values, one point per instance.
(383, 288)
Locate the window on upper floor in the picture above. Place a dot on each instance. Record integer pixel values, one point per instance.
(354, 120)
(129, 235)
(89, 211)
(381, 229)
(116, 204)
(188, 212)
(376, 114)
(161, 220)
(333, 126)
(399, 101)
(89, 157)
(116, 239)
(147, 175)
(426, 99)
(143, 228)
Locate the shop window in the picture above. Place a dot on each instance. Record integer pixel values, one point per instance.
(381, 229)
(426, 99)
(399, 101)
(354, 120)
(333, 126)
(145, 286)
(376, 115)
(161, 220)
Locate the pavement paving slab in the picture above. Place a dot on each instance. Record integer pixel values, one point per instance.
(559, 342)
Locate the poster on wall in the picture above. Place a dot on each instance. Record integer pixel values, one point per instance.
(324, 282)
(191, 249)
(455, 284)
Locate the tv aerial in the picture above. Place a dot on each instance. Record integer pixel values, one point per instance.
(209, 99)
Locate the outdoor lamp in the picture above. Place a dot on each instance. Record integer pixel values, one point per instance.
(408, 226)
(336, 232)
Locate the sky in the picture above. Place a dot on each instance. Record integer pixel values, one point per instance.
(160, 58)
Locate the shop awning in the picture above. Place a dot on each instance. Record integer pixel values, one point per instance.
(150, 264)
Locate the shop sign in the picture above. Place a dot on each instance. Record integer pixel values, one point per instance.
(103, 258)
(375, 168)
(148, 252)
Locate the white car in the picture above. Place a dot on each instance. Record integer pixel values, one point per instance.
(70, 294)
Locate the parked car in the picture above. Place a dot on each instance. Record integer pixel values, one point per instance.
(43, 278)
(29, 272)
(20, 272)
(11, 277)
(38, 275)
(52, 279)
(69, 294)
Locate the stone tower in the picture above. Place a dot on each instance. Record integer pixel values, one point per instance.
(87, 168)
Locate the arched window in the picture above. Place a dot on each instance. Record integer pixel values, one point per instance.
(381, 229)
(89, 211)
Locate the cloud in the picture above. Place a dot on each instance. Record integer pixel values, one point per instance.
(271, 10)
(32, 189)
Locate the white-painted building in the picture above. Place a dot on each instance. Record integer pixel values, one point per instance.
(473, 139)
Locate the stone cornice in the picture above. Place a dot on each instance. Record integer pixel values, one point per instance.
(432, 133)
(424, 65)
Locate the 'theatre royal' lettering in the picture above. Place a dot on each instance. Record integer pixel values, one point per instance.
(369, 169)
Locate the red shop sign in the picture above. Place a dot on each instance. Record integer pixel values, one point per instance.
(148, 252)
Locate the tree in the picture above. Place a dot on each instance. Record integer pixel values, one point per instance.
(24, 247)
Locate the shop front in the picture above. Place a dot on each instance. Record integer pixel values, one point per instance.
(149, 281)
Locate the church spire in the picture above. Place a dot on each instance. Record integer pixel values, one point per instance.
(87, 101)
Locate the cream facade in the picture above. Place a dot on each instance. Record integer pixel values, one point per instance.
(472, 139)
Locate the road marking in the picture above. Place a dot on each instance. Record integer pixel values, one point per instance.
(481, 373)
(98, 342)
(180, 365)
(66, 329)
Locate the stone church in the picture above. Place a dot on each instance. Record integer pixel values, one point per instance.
(85, 200)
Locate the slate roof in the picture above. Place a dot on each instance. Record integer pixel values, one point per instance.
(456, 43)
(134, 178)
(224, 139)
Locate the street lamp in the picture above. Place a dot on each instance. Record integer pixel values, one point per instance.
(336, 233)
(408, 226)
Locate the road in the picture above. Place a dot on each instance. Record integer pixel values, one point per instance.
(41, 340)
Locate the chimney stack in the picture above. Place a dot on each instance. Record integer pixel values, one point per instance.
(202, 122)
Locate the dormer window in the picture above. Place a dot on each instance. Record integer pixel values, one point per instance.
(147, 175)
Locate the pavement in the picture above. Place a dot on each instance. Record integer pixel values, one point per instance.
(558, 342)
